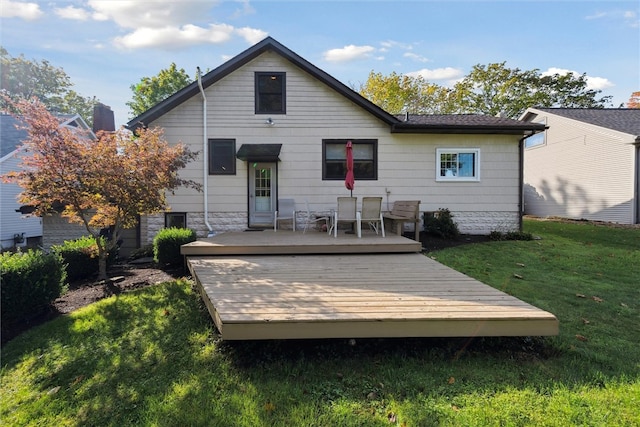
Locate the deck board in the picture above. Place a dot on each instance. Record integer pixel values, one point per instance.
(287, 242)
(356, 295)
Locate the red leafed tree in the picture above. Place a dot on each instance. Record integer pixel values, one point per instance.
(634, 100)
(103, 182)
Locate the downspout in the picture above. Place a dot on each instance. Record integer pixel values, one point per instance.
(521, 180)
(205, 150)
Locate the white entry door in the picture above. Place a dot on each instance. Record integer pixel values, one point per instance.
(262, 203)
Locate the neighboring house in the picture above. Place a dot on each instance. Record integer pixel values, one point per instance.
(272, 125)
(18, 228)
(585, 165)
(15, 228)
(51, 229)
(57, 229)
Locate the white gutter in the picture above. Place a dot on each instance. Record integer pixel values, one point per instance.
(205, 150)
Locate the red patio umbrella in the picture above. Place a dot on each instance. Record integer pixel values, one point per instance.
(349, 179)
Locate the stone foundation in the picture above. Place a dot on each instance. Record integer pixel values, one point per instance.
(486, 222)
(468, 223)
(219, 221)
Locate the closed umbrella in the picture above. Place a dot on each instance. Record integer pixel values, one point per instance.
(349, 180)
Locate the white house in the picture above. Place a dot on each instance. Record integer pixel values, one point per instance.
(268, 124)
(17, 228)
(586, 165)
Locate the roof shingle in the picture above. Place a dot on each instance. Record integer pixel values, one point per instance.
(625, 120)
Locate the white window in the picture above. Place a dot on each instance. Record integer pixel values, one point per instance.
(535, 140)
(538, 139)
(458, 164)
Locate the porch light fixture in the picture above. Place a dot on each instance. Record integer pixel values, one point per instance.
(270, 122)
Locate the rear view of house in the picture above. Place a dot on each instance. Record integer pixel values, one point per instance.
(585, 165)
(269, 125)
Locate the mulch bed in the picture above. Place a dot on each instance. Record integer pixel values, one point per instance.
(124, 278)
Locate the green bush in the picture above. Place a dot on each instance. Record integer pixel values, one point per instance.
(30, 282)
(441, 224)
(510, 235)
(144, 252)
(166, 245)
(81, 257)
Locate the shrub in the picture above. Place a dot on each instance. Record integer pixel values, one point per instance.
(166, 245)
(144, 252)
(30, 282)
(441, 224)
(510, 235)
(81, 257)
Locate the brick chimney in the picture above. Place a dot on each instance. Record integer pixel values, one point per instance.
(103, 118)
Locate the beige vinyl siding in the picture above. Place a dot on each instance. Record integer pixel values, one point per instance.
(406, 163)
(582, 171)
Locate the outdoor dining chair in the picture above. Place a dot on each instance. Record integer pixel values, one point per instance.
(286, 211)
(372, 213)
(347, 212)
(313, 218)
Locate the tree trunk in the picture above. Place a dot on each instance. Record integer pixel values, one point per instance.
(103, 253)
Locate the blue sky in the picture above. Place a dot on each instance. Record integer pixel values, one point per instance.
(105, 46)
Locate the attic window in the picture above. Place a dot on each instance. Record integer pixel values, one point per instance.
(270, 93)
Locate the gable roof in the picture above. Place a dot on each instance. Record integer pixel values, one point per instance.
(416, 124)
(10, 136)
(268, 44)
(625, 120)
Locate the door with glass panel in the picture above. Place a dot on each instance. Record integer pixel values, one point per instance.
(262, 202)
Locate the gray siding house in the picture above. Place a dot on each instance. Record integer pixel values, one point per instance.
(585, 165)
(269, 125)
(17, 228)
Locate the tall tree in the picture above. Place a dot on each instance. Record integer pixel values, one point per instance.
(102, 183)
(488, 89)
(23, 78)
(634, 100)
(397, 94)
(151, 90)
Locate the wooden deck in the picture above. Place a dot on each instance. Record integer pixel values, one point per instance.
(332, 294)
(268, 242)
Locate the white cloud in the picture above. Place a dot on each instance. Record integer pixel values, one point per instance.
(174, 37)
(18, 9)
(348, 53)
(162, 24)
(629, 17)
(251, 35)
(597, 15)
(74, 13)
(593, 83)
(415, 57)
(151, 13)
(446, 73)
(392, 44)
(246, 9)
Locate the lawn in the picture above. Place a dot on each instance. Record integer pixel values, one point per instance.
(152, 357)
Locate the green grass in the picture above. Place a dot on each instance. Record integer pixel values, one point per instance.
(152, 357)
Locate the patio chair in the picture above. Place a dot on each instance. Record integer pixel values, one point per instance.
(286, 211)
(346, 212)
(372, 213)
(313, 218)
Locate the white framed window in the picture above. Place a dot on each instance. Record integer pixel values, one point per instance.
(536, 140)
(458, 164)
